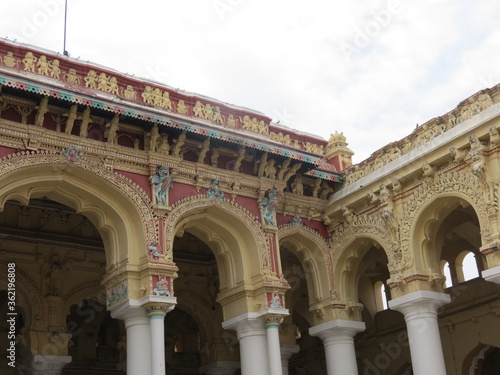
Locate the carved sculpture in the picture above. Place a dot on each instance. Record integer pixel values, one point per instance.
(231, 121)
(129, 93)
(239, 159)
(43, 108)
(178, 143)
(9, 60)
(71, 77)
(72, 115)
(161, 182)
(215, 157)
(165, 101)
(270, 169)
(198, 109)
(181, 107)
(43, 65)
(204, 149)
(112, 129)
(85, 123)
(292, 171)
(214, 191)
(154, 138)
(55, 71)
(154, 251)
(458, 155)
(147, 95)
(269, 205)
(162, 287)
(163, 145)
(29, 62)
(91, 79)
(297, 185)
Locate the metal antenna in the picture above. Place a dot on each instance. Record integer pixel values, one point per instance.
(65, 18)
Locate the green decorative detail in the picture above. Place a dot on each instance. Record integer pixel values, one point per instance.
(2, 81)
(34, 89)
(129, 113)
(212, 134)
(66, 96)
(98, 105)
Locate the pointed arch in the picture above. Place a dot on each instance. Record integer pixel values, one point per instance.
(120, 210)
(430, 203)
(348, 259)
(312, 251)
(233, 234)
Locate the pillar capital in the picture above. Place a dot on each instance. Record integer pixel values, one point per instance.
(337, 329)
(338, 340)
(255, 320)
(422, 303)
(272, 320)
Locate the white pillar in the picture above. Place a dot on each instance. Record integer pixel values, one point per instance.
(338, 340)
(492, 275)
(156, 315)
(138, 337)
(252, 337)
(420, 311)
(286, 352)
(273, 343)
(157, 307)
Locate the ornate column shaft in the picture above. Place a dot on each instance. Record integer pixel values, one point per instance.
(138, 337)
(273, 343)
(338, 339)
(252, 337)
(420, 312)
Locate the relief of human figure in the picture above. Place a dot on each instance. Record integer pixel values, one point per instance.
(161, 182)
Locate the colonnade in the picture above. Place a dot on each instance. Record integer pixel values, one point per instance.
(258, 337)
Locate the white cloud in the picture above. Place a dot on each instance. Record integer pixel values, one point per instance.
(285, 58)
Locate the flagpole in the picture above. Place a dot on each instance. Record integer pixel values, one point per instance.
(65, 18)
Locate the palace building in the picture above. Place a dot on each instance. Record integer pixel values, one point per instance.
(148, 230)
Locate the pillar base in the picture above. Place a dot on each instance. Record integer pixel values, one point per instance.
(492, 275)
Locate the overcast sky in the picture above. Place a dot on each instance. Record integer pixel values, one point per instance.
(371, 69)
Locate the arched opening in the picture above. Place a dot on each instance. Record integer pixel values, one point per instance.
(447, 227)
(466, 266)
(59, 258)
(308, 351)
(445, 270)
(195, 340)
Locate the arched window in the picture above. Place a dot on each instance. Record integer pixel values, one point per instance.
(466, 266)
(380, 296)
(445, 269)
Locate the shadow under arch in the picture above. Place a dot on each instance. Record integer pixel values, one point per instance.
(312, 252)
(345, 269)
(235, 238)
(425, 229)
(118, 208)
